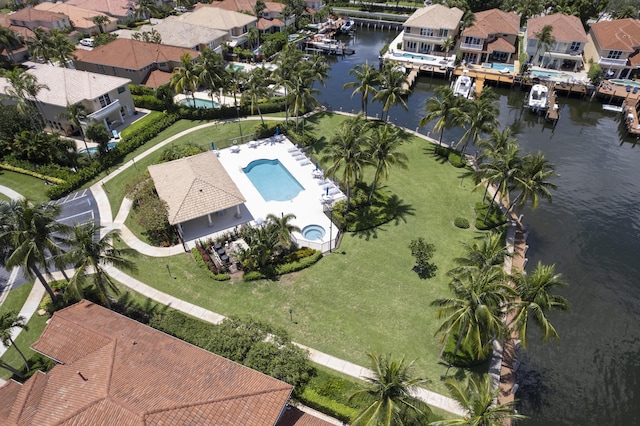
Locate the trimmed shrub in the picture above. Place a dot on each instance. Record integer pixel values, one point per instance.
(31, 173)
(456, 159)
(328, 406)
(198, 257)
(148, 102)
(461, 222)
(253, 276)
(287, 268)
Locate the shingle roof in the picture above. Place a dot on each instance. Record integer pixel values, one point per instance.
(140, 377)
(215, 17)
(29, 14)
(81, 18)
(195, 186)
(621, 34)
(435, 16)
(565, 28)
(493, 21)
(132, 54)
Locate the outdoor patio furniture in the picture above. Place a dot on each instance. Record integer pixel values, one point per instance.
(317, 173)
(224, 258)
(293, 149)
(221, 252)
(217, 246)
(253, 144)
(115, 134)
(305, 162)
(235, 148)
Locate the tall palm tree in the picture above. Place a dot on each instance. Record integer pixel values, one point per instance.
(9, 41)
(492, 149)
(256, 89)
(236, 78)
(185, 78)
(545, 40)
(282, 226)
(447, 44)
(478, 398)
(88, 254)
(346, 154)
(211, 72)
(100, 20)
(302, 94)
(536, 300)
(288, 63)
(392, 91)
(389, 394)
(445, 108)
(483, 255)
(474, 312)
(367, 79)
(145, 9)
(61, 48)
(503, 172)
(24, 88)
(383, 153)
(318, 70)
(533, 181)
(9, 321)
(76, 114)
(29, 231)
(253, 37)
(481, 116)
(41, 45)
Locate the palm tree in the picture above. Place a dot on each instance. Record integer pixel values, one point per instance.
(478, 398)
(481, 116)
(503, 171)
(76, 114)
(536, 301)
(545, 40)
(368, 77)
(253, 36)
(283, 228)
(445, 108)
(24, 87)
(302, 94)
(318, 70)
(236, 78)
(41, 45)
(493, 148)
(185, 78)
(61, 48)
(259, 8)
(28, 231)
(256, 89)
(9, 321)
(474, 312)
(383, 153)
(288, 65)
(483, 255)
(389, 394)
(533, 180)
(392, 91)
(145, 9)
(211, 72)
(9, 41)
(100, 20)
(88, 254)
(346, 154)
(447, 44)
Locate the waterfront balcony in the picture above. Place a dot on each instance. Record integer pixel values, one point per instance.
(471, 46)
(606, 62)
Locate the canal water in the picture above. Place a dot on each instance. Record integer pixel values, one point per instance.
(591, 232)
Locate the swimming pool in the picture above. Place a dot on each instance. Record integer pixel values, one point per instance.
(418, 56)
(199, 103)
(549, 74)
(94, 149)
(498, 66)
(626, 83)
(272, 180)
(313, 232)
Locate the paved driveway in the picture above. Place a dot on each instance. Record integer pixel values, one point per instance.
(79, 207)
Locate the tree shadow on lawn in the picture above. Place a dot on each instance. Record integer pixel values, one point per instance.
(395, 207)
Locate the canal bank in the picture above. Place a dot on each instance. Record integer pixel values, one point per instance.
(591, 232)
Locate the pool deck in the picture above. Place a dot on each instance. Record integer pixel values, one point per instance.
(307, 206)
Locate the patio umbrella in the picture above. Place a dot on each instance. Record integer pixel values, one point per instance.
(277, 130)
(213, 147)
(317, 167)
(327, 190)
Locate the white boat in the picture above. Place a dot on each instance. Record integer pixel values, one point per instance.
(614, 108)
(538, 97)
(348, 26)
(462, 86)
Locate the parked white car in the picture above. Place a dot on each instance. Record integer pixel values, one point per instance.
(87, 42)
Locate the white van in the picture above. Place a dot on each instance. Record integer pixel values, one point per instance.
(87, 42)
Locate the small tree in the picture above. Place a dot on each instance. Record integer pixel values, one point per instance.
(595, 74)
(98, 133)
(423, 252)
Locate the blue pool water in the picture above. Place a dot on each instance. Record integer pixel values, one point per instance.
(199, 103)
(94, 149)
(498, 66)
(313, 232)
(626, 83)
(421, 57)
(550, 74)
(272, 180)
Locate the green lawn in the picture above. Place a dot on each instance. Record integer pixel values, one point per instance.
(32, 188)
(26, 338)
(220, 133)
(4, 198)
(365, 297)
(16, 297)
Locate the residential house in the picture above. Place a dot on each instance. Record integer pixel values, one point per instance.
(32, 18)
(314, 5)
(112, 370)
(131, 59)
(271, 21)
(614, 45)
(119, 9)
(428, 27)
(570, 39)
(20, 53)
(491, 38)
(175, 32)
(82, 18)
(236, 24)
(105, 98)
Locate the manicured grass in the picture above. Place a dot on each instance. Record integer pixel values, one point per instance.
(220, 133)
(16, 297)
(4, 197)
(365, 296)
(32, 188)
(25, 339)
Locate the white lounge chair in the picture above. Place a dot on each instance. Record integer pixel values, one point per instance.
(293, 149)
(253, 144)
(235, 148)
(305, 162)
(334, 191)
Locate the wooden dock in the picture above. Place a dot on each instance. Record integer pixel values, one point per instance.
(552, 113)
(479, 85)
(630, 111)
(488, 75)
(411, 79)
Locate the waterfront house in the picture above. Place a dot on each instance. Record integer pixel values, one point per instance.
(112, 370)
(82, 18)
(131, 59)
(106, 98)
(119, 9)
(20, 53)
(175, 32)
(614, 45)
(271, 21)
(491, 38)
(570, 39)
(236, 24)
(428, 27)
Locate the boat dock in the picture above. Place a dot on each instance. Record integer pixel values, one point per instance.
(552, 113)
(630, 111)
(411, 79)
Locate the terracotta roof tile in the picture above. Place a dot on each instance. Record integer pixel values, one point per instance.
(500, 45)
(295, 417)
(29, 14)
(242, 5)
(435, 16)
(157, 78)
(493, 21)
(565, 28)
(195, 186)
(132, 54)
(117, 8)
(81, 18)
(621, 34)
(8, 395)
(264, 24)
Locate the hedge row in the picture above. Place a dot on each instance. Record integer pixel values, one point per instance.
(287, 268)
(31, 173)
(313, 399)
(198, 258)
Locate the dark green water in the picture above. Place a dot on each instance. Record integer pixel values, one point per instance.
(591, 232)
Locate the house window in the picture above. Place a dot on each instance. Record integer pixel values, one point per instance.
(104, 100)
(427, 32)
(425, 47)
(471, 40)
(444, 33)
(121, 89)
(614, 54)
(533, 42)
(407, 30)
(575, 46)
(411, 45)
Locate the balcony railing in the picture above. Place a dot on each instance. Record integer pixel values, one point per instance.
(471, 46)
(612, 62)
(106, 111)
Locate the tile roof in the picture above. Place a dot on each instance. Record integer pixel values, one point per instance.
(29, 14)
(500, 45)
(295, 417)
(621, 34)
(132, 54)
(565, 28)
(435, 16)
(81, 18)
(195, 186)
(215, 17)
(265, 24)
(175, 32)
(140, 377)
(157, 78)
(69, 86)
(493, 21)
(116, 8)
(243, 5)
(5, 22)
